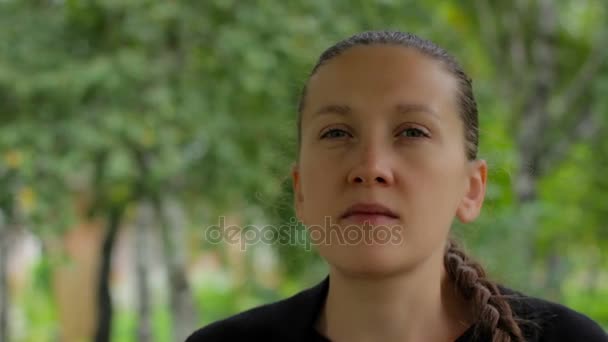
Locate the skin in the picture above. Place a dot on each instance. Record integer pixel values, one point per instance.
(397, 140)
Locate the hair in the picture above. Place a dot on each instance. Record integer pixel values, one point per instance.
(492, 311)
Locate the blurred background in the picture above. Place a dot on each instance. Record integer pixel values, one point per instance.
(129, 127)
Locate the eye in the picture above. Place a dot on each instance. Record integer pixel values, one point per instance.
(334, 134)
(412, 132)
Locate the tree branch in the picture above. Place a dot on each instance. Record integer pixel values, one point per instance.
(518, 83)
(487, 26)
(517, 47)
(535, 112)
(586, 127)
(582, 81)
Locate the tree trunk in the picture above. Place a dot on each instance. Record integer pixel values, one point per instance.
(535, 117)
(555, 272)
(142, 230)
(104, 298)
(4, 293)
(172, 225)
(533, 138)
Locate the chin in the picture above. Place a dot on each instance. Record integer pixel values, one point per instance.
(368, 261)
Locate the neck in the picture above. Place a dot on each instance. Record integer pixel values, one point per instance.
(417, 305)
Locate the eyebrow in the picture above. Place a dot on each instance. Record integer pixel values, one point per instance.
(406, 108)
(334, 109)
(401, 108)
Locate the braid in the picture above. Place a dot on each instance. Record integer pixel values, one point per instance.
(493, 313)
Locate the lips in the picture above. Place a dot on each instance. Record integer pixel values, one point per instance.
(369, 210)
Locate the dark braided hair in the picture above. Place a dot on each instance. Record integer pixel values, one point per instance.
(493, 313)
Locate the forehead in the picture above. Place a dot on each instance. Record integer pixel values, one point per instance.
(373, 75)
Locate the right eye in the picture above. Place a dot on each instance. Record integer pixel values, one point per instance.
(334, 133)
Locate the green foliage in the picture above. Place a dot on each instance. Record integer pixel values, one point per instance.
(105, 102)
(38, 305)
(125, 322)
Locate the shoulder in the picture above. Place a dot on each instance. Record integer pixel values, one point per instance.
(253, 323)
(544, 320)
(278, 321)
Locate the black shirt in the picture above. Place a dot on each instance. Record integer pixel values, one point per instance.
(293, 319)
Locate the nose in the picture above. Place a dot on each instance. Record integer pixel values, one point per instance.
(372, 169)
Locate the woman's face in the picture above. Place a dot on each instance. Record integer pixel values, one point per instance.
(381, 125)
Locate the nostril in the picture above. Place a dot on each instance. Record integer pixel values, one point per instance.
(377, 179)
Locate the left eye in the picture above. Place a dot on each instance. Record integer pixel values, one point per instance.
(413, 133)
(334, 134)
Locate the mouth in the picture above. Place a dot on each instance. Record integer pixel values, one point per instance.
(372, 212)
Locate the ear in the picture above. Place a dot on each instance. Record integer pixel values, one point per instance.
(297, 191)
(475, 192)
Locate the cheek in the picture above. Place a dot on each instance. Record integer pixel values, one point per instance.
(318, 188)
(318, 171)
(431, 205)
(435, 191)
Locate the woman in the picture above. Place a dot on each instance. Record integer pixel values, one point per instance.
(388, 137)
